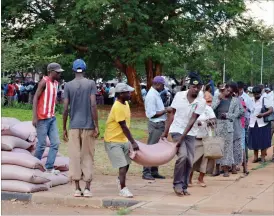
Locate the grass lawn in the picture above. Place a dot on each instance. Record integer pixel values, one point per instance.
(102, 164)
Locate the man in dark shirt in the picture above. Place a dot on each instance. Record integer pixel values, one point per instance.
(80, 104)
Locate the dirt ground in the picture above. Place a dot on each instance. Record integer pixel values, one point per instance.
(24, 208)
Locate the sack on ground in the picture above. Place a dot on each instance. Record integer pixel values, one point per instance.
(56, 180)
(154, 155)
(6, 123)
(61, 163)
(19, 150)
(9, 121)
(15, 172)
(10, 142)
(23, 187)
(24, 160)
(24, 130)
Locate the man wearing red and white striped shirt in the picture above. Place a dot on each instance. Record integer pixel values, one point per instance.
(43, 115)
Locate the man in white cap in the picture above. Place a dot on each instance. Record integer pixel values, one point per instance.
(80, 104)
(117, 136)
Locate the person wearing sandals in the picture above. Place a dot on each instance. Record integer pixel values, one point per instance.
(227, 109)
(185, 109)
(80, 104)
(202, 164)
(259, 136)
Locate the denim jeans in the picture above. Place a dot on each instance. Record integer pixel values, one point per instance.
(47, 127)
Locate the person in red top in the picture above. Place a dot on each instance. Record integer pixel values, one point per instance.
(11, 93)
(43, 115)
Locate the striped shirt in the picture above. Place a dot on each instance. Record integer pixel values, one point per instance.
(47, 100)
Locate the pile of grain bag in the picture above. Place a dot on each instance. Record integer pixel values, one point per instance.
(21, 171)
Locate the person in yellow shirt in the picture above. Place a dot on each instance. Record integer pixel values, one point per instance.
(117, 136)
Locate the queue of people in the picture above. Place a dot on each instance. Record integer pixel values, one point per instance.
(234, 117)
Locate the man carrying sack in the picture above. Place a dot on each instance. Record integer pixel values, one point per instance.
(186, 107)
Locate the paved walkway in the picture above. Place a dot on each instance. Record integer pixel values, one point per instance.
(234, 195)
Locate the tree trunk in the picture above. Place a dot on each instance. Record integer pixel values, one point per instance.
(149, 72)
(133, 81)
(158, 69)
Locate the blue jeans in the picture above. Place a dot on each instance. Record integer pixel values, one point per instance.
(47, 127)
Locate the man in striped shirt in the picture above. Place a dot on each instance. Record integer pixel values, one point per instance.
(43, 115)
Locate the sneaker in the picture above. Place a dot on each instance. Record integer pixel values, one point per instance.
(87, 193)
(125, 193)
(118, 184)
(77, 193)
(53, 171)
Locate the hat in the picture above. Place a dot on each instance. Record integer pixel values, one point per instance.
(159, 79)
(194, 79)
(267, 89)
(54, 67)
(79, 66)
(122, 87)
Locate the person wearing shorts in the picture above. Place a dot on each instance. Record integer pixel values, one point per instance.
(80, 104)
(117, 136)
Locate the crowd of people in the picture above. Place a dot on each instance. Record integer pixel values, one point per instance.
(17, 91)
(241, 121)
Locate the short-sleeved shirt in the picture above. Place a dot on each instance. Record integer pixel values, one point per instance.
(184, 111)
(114, 133)
(153, 104)
(256, 109)
(78, 92)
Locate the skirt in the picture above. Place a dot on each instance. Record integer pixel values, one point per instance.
(259, 138)
(202, 164)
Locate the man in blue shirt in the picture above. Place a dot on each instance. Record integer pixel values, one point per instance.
(156, 113)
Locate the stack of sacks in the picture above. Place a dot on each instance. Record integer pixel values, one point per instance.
(61, 164)
(23, 130)
(22, 172)
(20, 138)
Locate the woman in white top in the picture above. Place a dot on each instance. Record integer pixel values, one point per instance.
(201, 164)
(259, 136)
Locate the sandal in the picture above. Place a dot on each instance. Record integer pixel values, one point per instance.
(178, 191)
(186, 192)
(202, 184)
(226, 175)
(234, 172)
(190, 185)
(216, 174)
(255, 161)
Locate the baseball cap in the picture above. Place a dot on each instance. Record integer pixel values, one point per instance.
(267, 89)
(54, 67)
(159, 79)
(122, 87)
(79, 66)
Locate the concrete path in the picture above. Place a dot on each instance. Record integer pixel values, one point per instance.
(249, 195)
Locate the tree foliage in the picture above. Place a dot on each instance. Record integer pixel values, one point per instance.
(138, 38)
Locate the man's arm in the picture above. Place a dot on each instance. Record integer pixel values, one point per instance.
(40, 89)
(189, 126)
(94, 113)
(127, 133)
(170, 117)
(65, 118)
